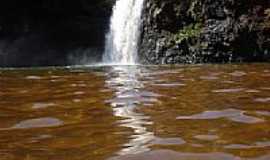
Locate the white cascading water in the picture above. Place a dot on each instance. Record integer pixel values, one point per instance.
(122, 39)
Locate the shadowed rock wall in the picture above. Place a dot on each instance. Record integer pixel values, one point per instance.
(52, 32)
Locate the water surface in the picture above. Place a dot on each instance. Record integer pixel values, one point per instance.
(200, 112)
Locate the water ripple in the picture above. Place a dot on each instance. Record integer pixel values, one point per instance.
(231, 114)
(38, 123)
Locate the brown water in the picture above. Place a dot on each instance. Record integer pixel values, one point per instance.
(203, 112)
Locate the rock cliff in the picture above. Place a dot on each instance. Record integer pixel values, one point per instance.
(202, 31)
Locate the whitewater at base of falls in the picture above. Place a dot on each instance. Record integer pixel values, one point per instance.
(122, 39)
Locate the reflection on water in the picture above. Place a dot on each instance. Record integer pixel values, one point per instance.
(172, 155)
(231, 114)
(130, 94)
(202, 112)
(37, 123)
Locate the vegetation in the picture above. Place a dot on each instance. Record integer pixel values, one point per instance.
(190, 31)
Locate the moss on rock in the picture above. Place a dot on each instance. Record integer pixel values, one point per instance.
(190, 31)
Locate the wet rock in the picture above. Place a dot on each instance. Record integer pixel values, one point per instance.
(200, 31)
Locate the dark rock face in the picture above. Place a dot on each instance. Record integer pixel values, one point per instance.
(52, 32)
(201, 31)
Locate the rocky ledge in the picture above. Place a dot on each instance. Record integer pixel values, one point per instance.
(202, 31)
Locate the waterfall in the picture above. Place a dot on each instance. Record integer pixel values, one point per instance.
(122, 39)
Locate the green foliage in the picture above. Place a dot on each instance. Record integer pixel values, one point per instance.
(190, 31)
